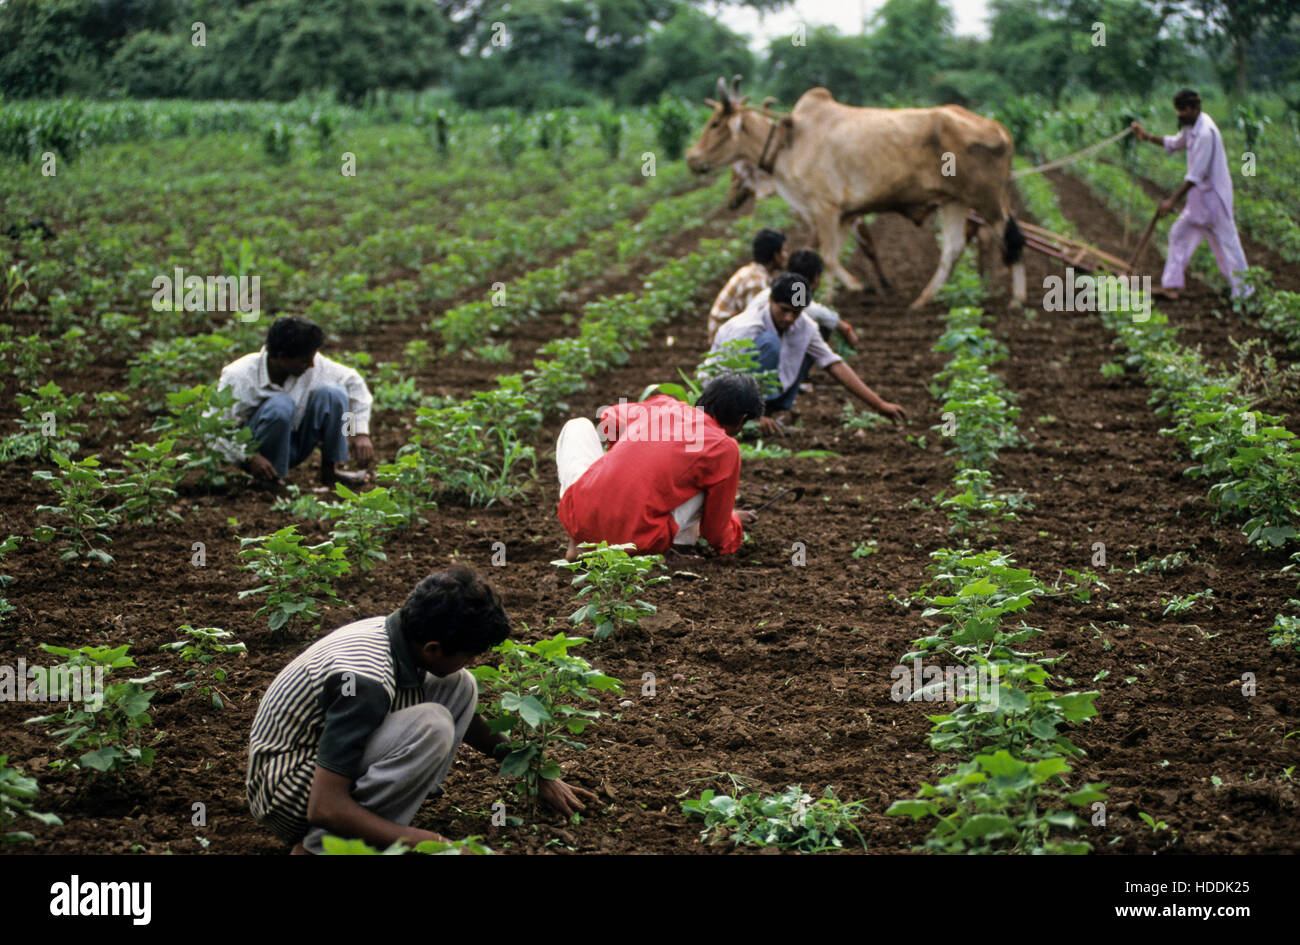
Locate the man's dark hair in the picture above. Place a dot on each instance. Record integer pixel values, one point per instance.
(731, 398)
(767, 244)
(789, 285)
(1187, 98)
(292, 337)
(807, 263)
(457, 609)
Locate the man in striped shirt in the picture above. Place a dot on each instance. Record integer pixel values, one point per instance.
(770, 255)
(361, 727)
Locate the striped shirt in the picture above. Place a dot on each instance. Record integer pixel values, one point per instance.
(321, 710)
(744, 284)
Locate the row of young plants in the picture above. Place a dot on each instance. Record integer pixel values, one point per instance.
(1248, 455)
(1012, 793)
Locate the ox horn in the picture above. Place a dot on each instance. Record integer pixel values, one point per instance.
(735, 85)
(723, 95)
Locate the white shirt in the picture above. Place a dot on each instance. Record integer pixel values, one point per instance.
(1207, 162)
(251, 384)
(799, 339)
(824, 317)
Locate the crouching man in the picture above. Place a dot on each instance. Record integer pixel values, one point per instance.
(670, 475)
(293, 399)
(355, 733)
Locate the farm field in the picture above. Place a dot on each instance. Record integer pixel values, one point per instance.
(766, 671)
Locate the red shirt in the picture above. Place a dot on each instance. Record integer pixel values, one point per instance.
(664, 451)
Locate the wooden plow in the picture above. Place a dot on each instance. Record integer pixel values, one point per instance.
(1067, 249)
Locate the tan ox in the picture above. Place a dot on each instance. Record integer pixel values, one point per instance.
(832, 163)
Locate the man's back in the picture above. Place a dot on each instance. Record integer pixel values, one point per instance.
(663, 453)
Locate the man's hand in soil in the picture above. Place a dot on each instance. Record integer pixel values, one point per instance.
(259, 467)
(363, 451)
(894, 412)
(770, 426)
(747, 517)
(563, 797)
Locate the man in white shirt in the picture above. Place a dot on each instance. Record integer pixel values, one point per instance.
(789, 343)
(293, 399)
(770, 255)
(1208, 188)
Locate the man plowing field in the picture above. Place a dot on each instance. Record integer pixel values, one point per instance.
(1208, 188)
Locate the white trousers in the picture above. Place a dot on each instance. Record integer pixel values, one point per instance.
(579, 446)
(1204, 218)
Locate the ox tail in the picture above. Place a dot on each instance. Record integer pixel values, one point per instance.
(1013, 242)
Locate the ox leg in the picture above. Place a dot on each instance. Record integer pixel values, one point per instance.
(953, 216)
(831, 239)
(863, 235)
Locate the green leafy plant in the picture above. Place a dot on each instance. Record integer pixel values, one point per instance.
(1180, 605)
(81, 487)
(673, 122)
(539, 695)
(361, 520)
(204, 645)
(337, 846)
(1284, 632)
(790, 820)
(17, 793)
(47, 422)
(202, 422)
(6, 547)
(147, 482)
(108, 737)
(610, 580)
(297, 576)
(997, 803)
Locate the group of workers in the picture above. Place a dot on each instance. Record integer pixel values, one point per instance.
(362, 726)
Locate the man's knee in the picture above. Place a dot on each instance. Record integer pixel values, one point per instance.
(278, 408)
(330, 396)
(432, 733)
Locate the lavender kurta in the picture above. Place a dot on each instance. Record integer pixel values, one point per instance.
(1208, 214)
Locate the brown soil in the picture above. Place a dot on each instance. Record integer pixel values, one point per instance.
(768, 671)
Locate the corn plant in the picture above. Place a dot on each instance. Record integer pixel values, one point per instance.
(17, 794)
(47, 421)
(108, 738)
(790, 820)
(361, 520)
(538, 697)
(296, 576)
(204, 645)
(202, 423)
(147, 482)
(81, 487)
(611, 581)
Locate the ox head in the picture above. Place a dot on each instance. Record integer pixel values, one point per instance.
(725, 138)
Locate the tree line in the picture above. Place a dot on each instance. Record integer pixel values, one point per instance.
(547, 53)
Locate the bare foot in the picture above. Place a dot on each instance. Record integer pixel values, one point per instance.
(572, 553)
(1163, 293)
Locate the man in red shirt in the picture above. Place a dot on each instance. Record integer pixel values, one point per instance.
(670, 475)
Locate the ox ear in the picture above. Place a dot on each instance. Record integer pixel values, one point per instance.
(711, 103)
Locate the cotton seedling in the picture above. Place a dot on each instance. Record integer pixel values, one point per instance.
(792, 819)
(610, 580)
(17, 794)
(147, 482)
(538, 697)
(47, 425)
(361, 520)
(297, 576)
(7, 546)
(81, 487)
(204, 645)
(108, 738)
(203, 423)
(337, 846)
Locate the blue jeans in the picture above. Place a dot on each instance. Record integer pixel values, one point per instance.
(769, 359)
(277, 440)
